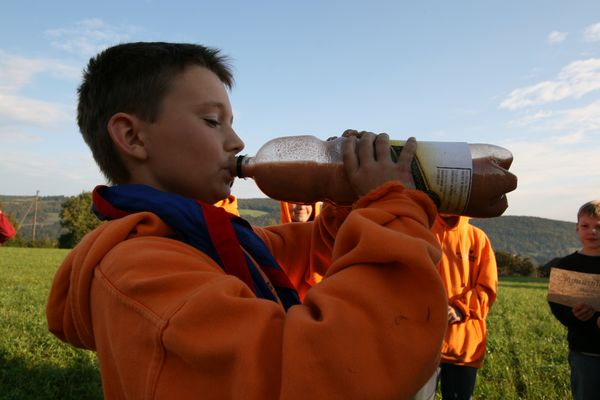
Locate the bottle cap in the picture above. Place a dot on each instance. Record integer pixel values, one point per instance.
(238, 166)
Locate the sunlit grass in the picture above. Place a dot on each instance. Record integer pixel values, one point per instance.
(33, 363)
(526, 346)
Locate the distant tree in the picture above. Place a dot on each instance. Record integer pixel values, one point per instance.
(523, 266)
(263, 220)
(77, 218)
(514, 265)
(503, 261)
(544, 270)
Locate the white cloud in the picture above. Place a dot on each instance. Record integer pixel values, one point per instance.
(17, 71)
(555, 177)
(67, 173)
(559, 166)
(37, 112)
(574, 81)
(585, 118)
(87, 37)
(556, 37)
(567, 126)
(530, 119)
(16, 74)
(15, 135)
(575, 137)
(592, 33)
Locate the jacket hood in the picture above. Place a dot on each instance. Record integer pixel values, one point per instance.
(230, 204)
(68, 309)
(462, 221)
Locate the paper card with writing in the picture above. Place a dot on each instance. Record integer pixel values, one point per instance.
(571, 288)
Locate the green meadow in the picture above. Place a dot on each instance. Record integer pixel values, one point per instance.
(526, 346)
(34, 364)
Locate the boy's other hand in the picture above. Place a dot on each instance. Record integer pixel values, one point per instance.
(368, 163)
(454, 315)
(583, 312)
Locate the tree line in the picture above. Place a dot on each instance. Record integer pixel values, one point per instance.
(522, 243)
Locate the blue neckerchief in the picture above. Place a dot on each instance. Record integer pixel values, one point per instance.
(210, 229)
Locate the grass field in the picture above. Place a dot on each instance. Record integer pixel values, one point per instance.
(526, 347)
(34, 364)
(252, 213)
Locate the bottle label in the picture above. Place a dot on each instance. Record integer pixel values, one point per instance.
(443, 170)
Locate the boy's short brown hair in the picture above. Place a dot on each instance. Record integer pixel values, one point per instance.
(134, 78)
(591, 208)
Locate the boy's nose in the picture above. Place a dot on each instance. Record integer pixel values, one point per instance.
(234, 142)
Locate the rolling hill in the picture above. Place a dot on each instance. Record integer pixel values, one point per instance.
(539, 239)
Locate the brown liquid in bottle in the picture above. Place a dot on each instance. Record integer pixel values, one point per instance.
(303, 182)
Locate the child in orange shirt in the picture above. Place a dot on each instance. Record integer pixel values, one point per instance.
(469, 274)
(296, 212)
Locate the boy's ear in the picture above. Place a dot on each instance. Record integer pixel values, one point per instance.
(124, 130)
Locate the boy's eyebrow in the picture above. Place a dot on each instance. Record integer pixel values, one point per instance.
(213, 104)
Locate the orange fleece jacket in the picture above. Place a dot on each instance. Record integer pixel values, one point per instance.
(168, 323)
(469, 273)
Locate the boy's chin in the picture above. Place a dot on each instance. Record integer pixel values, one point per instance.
(222, 196)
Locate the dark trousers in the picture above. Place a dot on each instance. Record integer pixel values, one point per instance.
(585, 376)
(457, 381)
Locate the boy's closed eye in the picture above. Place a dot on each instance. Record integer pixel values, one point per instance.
(212, 122)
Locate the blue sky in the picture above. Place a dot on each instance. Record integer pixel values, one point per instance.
(521, 74)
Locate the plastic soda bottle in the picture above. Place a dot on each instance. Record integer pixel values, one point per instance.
(461, 178)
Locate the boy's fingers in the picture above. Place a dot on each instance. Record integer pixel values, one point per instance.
(349, 155)
(408, 153)
(409, 150)
(405, 162)
(583, 311)
(365, 147)
(350, 132)
(382, 147)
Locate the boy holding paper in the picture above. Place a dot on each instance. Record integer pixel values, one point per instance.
(582, 320)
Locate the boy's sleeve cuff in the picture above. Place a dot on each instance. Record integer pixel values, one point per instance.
(395, 188)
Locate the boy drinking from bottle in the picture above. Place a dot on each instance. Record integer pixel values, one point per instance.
(181, 300)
